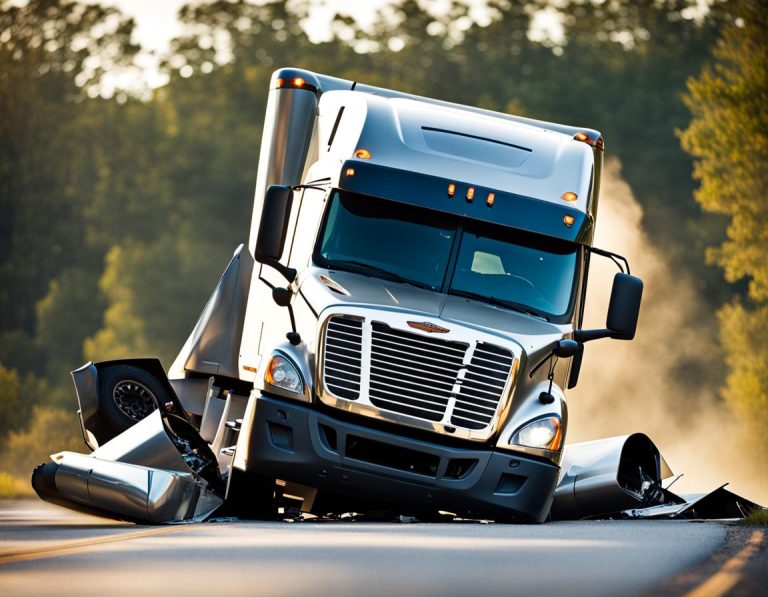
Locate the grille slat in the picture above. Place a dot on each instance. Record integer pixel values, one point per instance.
(414, 375)
(472, 410)
(409, 338)
(418, 350)
(387, 350)
(437, 385)
(406, 392)
(423, 367)
(343, 345)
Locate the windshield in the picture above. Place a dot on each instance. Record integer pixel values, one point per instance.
(516, 269)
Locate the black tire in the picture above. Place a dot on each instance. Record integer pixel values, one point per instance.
(128, 394)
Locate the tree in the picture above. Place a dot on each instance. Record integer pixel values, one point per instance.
(53, 53)
(728, 136)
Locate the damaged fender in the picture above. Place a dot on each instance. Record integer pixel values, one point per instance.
(609, 475)
(158, 471)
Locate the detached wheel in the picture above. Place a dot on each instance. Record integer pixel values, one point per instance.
(128, 394)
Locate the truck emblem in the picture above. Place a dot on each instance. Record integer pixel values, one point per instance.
(425, 326)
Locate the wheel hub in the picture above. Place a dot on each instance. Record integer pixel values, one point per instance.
(134, 399)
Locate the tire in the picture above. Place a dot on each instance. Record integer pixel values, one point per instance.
(128, 394)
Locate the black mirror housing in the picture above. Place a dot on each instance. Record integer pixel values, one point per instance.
(624, 308)
(273, 226)
(623, 311)
(273, 229)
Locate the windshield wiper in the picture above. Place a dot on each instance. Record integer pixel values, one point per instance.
(363, 267)
(498, 301)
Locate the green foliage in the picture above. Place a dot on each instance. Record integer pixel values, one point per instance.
(758, 517)
(18, 396)
(12, 488)
(742, 332)
(51, 430)
(69, 311)
(44, 55)
(729, 139)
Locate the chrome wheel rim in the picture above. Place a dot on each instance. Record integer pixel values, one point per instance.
(134, 399)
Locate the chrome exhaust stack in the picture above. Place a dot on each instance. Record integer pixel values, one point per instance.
(158, 471)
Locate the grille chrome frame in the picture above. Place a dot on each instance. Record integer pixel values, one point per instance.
(469, 398)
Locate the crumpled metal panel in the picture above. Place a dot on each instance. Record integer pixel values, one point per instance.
(609, 475)
(717, 504)
(154, 472)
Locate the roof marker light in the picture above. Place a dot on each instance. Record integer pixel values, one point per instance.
(451, 190)
(568, 220)
(585, 138)
(350, 172)
(293, 83)
(491, 199)
(569, 196)
(470, 193)
(363, 154)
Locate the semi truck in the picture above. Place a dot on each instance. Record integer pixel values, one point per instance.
(397, 335)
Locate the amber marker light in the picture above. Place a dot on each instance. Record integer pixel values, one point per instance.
(569, 196)
(249, 368)
(491, 199)
(585, 138)
(568, 220)
(350, 172)
(363, 154)
(294, 83)
(470, 193)
(451, 190)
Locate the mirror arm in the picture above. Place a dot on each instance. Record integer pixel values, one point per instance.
(582, 336)
(288, 273)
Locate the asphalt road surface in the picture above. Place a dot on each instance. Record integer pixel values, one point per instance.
(45, 550)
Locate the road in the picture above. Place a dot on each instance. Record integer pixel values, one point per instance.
(48, 550)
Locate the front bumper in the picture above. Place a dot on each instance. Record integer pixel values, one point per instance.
(292, 442)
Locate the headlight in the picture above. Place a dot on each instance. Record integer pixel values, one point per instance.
(282, 377)
(544, 434)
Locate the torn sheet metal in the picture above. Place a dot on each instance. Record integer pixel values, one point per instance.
(718, 504)
(158, 471)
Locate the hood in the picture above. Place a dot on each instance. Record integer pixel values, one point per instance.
(324, 288)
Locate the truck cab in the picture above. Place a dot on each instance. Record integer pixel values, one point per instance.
(410, 322)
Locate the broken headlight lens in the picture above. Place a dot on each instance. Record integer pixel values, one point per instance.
(282, 377)
(545, 434)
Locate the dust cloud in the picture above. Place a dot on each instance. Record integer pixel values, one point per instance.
(665, 382)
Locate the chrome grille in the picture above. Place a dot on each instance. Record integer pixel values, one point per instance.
(412, 374)
(483, 386)
(459, 384)
(343, 345)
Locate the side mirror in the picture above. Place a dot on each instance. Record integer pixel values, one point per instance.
(273, 228)
(623, 311)
(624, 308)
